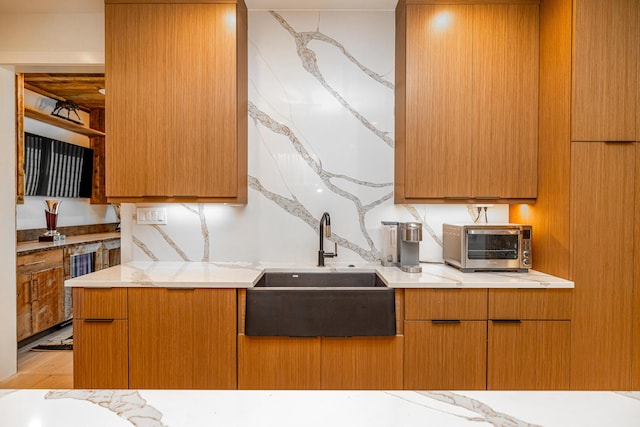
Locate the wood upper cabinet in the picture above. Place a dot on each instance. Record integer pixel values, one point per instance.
(466, 102)
(182, 338)
(604, 181)
(176, 105)
(606, 46)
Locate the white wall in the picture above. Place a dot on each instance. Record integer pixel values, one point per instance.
(8, 347)
(37, 39)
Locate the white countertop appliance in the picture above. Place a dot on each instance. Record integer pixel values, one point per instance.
(487, 247)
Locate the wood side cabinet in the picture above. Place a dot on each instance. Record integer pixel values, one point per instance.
(466, 102)
(445, 339)
(100, 338)
(40, 292)
(176, 103)
(605, 70)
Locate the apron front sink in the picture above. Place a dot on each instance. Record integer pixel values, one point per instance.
(329, 304)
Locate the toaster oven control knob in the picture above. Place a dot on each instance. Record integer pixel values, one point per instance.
(526, 262)
(525, 254)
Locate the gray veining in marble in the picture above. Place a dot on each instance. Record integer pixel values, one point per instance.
(171, 242)
(295, 208)
(414, 213)
(486, 413)
(144, 248)
(204, 228)
(310, 64)
(126, 404)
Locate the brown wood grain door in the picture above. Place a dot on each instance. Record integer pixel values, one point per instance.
(182, 338)
(505, 108)
(24, 326)
(100, 353)
(528, 355)
(362, 363)
(438, 104)
(605, 75)
(603, 182)
(47, 306)
(445, 355)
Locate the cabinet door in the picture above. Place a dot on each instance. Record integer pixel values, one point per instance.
(446, 355)
(635, 382)
(24, 327)
(605, 82)
(528, 355)
(202, 70)
(362, 363)
(438, 148)
(278, 363)
(505, 109)
(181, 338)
(47, 299)
(100, 353)
(138, 154)
(603, 180)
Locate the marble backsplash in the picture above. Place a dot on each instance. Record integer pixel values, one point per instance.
(321, 110)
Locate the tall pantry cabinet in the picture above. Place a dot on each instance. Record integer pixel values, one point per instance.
(176, 105)
(589, 171)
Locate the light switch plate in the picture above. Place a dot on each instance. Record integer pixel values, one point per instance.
(151, 216)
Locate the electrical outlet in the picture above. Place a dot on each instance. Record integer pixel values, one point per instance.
(150, 216)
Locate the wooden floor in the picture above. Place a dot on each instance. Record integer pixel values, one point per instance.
(42, 369)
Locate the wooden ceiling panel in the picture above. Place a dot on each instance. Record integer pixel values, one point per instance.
(79, 88)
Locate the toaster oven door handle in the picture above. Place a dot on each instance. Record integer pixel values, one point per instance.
(493, 231)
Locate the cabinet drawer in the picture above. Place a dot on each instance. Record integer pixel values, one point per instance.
(538, 304)
(443, 304)
(100, 303)
(39, 261)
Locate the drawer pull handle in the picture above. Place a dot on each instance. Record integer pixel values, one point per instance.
(181, 289)
(446, 321)
(506, 320)
(99, 320)
(42, 261)
(619, 142)
(457, 197)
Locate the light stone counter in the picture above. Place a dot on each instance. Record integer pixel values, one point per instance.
(245, 275)
(165, 408)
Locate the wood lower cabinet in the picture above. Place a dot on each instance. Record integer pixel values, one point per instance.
(445, 355)
(445, 339)
(278, 363)
(182, 338)
(362, 363)
(100, 338)
(528, 355)
(40, 292)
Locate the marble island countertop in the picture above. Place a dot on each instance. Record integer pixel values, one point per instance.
(246, 275)
(165, 408)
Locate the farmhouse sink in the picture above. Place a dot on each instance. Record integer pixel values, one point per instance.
(329, 304)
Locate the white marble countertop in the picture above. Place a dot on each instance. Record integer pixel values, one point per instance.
(245, 275)
(165, 408)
